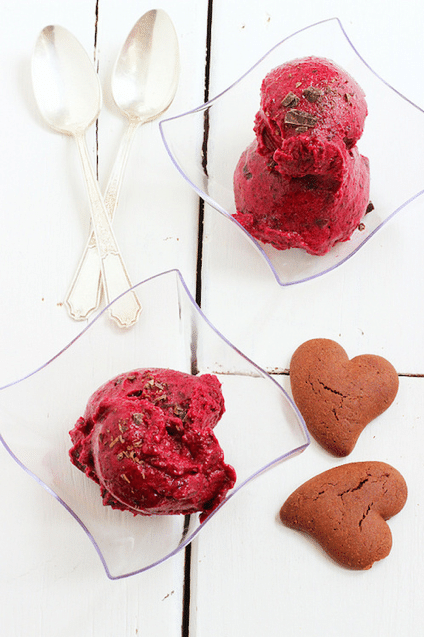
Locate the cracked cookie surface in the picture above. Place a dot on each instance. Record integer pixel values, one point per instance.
(345, 510)
(338, 397)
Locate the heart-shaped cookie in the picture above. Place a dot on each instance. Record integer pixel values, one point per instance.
(336, 396)
(345, 510)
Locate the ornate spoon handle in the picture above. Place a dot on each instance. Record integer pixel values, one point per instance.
(85, 292)
(109, 263)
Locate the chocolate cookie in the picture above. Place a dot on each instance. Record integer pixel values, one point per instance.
(345, 510)
(338, 397)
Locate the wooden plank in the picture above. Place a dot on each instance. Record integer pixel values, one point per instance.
(49, 564)
(249, 573)
(156, 221)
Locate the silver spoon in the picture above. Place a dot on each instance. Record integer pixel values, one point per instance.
(68, 94)
(144, 83)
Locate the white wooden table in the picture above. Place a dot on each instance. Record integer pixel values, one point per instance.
(248, 574)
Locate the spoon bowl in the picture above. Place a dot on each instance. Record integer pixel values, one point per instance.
(67, 91)
(145, 76)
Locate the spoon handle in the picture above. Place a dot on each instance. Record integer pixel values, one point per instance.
(126, 309)
(84, 295)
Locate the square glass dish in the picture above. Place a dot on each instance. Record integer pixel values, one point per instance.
(260, 428)
(205, 145)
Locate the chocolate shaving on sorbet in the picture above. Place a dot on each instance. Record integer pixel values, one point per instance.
(295, 117)
(246, 172)
(180, 412)
(115, 440)
(312, 94)
(290, 100)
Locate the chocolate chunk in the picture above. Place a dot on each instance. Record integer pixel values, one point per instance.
(247, 174)
(295, 117)
(290, 100)
(321, 223)
(370, 207)
(138, 419)
(312, 94)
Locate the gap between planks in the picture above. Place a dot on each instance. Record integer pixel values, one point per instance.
(187, 590)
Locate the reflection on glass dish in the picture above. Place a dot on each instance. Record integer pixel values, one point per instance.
(260, 428)
(205, 145)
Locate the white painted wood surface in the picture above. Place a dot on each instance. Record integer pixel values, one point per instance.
(249, 575)
(273, 580)
(49, 567)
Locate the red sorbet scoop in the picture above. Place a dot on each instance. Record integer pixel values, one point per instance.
(146, 437)
(303, 183)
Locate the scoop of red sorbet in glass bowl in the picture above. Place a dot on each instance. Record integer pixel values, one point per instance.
(260, 427)
(205, 145)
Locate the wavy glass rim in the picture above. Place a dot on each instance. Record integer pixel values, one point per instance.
(212, 202)
(187, 536)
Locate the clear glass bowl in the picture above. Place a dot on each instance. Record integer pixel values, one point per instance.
(260, 428)
(206, 143)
